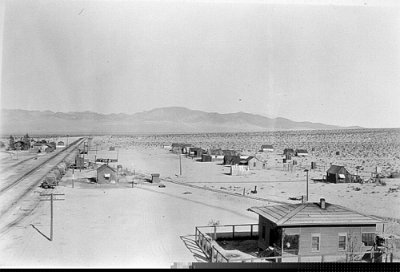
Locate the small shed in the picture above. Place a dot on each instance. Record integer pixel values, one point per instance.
(338, 174)
(267, 148)
(239, 170)
(79, 162)
(301, 152)
(106, 174)
(155, 178)
(60, 144)
(231, 160)
(255, 164)
(196, 151)
(206, 158)
(288, 151)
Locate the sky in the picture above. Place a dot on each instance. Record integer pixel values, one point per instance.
(334, 62)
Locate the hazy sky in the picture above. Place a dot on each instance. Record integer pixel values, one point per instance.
(336, 64)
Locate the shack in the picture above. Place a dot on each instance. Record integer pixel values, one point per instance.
(60, 144)
(338, 174)
(180, 148)
(231, 160)
(256, 164)
(106, 174)
(206, 158)
(267, 148)
(301, 152)
(323, 230)
(196, 152)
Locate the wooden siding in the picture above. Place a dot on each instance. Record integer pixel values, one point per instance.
(264, 243)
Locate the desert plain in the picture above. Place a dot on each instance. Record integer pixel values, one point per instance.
(134, 223)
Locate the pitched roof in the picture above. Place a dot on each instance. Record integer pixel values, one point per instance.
(106, 166)
(267, 146)
(335, 169)
(310, 214)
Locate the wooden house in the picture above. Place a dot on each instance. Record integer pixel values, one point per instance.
(231, 160)
(180, 148)
(267, 148)
(206, 158)
(106, 174)
(301, 152)
(60, 144)
(338, 174)
(196, 152)
(314, 229)
(255, 164)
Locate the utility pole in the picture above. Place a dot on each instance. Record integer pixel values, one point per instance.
(306, 170)
(51, 210)
(180, 164)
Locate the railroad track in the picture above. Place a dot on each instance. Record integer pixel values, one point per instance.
(71, 147)
(14, 202)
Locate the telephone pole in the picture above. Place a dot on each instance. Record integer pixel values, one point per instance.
(180, 164)
(51, 210)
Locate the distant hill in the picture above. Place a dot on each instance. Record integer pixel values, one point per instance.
(160, 120)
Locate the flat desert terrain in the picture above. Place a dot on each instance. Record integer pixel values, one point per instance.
(117, 225)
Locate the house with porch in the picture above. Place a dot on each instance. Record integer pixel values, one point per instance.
(304, 232)
(314, 230)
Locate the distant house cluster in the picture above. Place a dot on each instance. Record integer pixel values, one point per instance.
(33, 146)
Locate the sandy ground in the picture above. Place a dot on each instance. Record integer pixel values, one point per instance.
(144, 226)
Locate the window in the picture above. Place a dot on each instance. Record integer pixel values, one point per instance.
(368, 239)
(342, 241)
(315, 242)
(291, 243)
(263, 232)
(254, 164)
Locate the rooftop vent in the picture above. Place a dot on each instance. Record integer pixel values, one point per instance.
(322, 203)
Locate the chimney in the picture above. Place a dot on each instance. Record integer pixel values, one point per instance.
(322, 203)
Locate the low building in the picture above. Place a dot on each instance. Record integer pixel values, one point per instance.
(239, 170)
(196, 152)
(206, 158)
(301, 152)
(180, 148)
(267, 148)
(314, 229)
(231, 160)
(60, 144)
(106, 174)
(338, 174)
(256, 164)
(288, 151)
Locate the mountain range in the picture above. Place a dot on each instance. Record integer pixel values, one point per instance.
(159, 120)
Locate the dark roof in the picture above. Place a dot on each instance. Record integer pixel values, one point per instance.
(267, 146)
(311, 214)
(180, 145)
(249, 158)
(104, 166)
(334, 169)
(288, 150)
(301, 151)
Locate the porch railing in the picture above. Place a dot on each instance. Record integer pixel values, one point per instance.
(205, 236)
